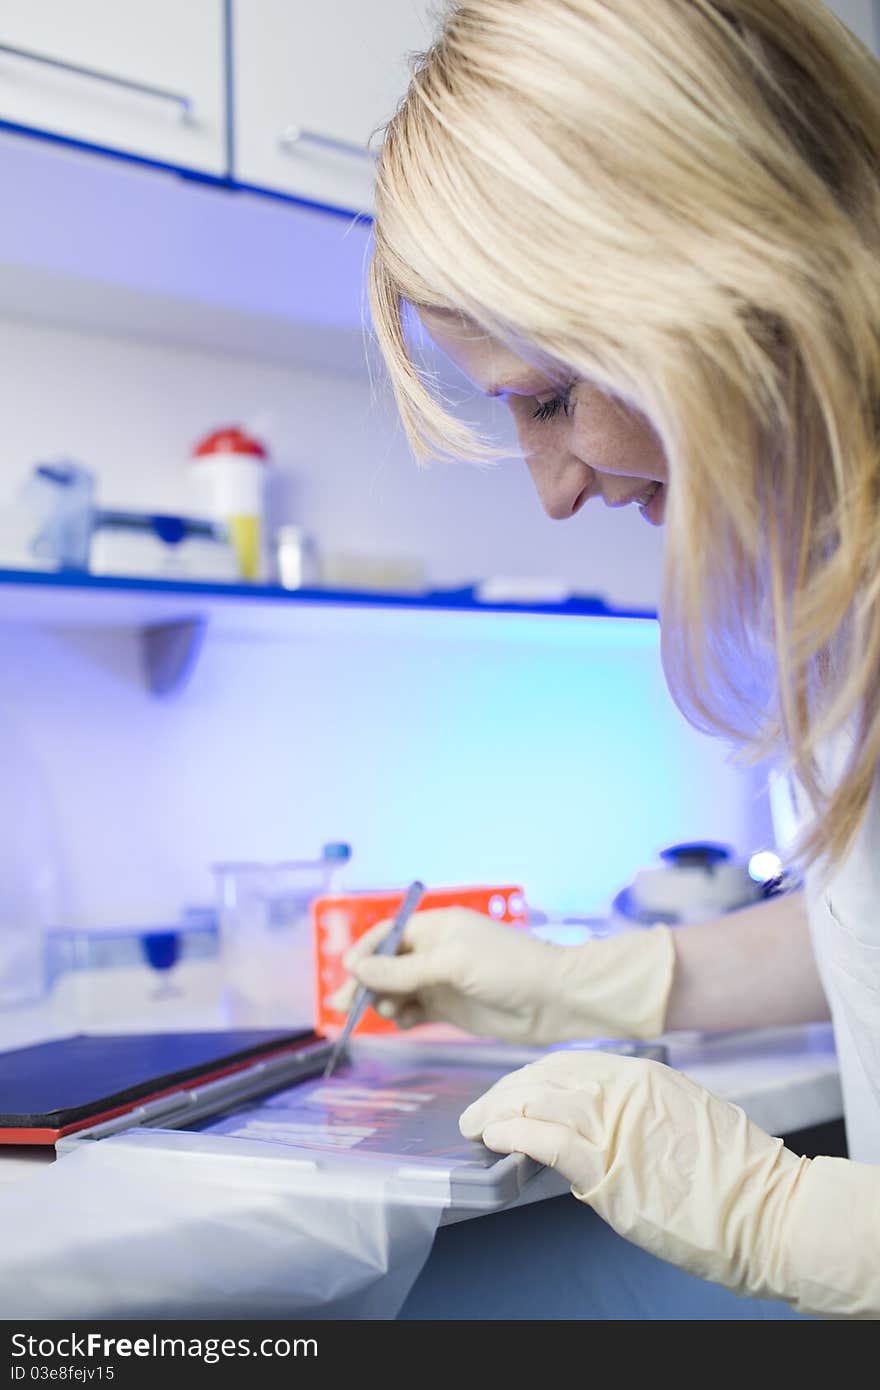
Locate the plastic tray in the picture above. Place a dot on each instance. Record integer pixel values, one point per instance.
(392, 1108)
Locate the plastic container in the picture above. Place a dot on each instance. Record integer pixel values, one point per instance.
(692, 883)
(162, 547)
(229, 477)
(266, 938)
(390, 573)
(56, 510)
(156, 977)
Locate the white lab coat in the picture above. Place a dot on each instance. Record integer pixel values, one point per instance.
(844, 913)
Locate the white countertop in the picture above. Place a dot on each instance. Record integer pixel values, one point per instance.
(784, 1078)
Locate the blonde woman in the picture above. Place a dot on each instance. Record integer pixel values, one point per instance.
(654, 230)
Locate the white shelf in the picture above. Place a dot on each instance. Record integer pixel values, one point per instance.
(173, 617)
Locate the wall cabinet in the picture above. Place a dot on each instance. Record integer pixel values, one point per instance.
(147, 78)
(308, 84)
(311, 83)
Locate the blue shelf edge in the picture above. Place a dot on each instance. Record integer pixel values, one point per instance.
(459, 600)
(224, 182)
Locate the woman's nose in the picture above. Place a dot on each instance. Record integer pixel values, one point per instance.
(563, 484)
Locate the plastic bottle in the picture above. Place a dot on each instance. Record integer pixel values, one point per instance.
(229, 474)
(336, 855)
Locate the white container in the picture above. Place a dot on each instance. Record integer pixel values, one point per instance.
(228, 470)
(296, 559)
(401, 574)
(693, 883)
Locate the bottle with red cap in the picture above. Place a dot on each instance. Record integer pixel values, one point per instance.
(229, 473)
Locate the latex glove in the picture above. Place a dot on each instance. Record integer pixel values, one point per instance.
(688, 1177)
(458, 967)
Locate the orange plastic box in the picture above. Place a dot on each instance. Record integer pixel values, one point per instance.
(337, 923)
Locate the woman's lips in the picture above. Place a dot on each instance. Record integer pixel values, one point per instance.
(650, 501)
(654, 509)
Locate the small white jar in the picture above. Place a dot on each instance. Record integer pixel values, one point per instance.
(296, 559)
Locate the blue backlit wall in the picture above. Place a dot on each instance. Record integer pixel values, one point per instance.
(544, 751)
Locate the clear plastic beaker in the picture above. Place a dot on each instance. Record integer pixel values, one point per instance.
(266, 939)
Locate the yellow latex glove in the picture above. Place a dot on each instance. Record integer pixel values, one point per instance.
(458, 967)
(688, 1177)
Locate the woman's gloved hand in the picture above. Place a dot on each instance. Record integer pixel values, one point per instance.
(688, 1177)
(458, 967)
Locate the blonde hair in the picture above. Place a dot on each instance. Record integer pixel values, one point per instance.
(679, 200)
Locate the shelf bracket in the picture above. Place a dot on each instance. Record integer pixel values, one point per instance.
(169, 652)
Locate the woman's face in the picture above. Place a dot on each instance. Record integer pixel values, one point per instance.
(578, 442)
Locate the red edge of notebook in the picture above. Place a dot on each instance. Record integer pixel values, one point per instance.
(51, 1136)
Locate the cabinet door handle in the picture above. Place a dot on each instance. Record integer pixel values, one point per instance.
(142, 88)
(295, 135)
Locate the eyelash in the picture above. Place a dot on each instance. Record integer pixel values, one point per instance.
(550, 409)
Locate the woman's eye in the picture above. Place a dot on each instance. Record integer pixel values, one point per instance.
(548, 409)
